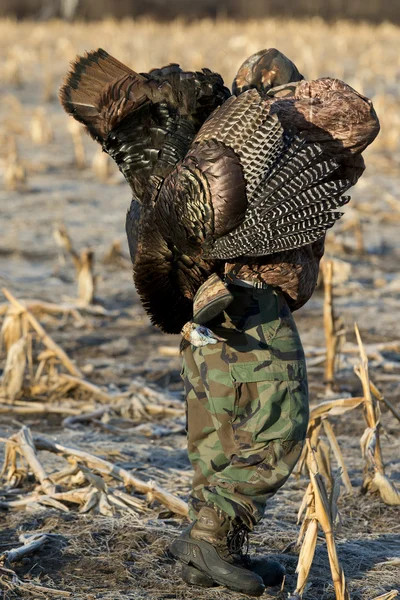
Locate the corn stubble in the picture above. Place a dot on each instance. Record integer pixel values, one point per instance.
(50, 371)
(319, 506)
(83, 263)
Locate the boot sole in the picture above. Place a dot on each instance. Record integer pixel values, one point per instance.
(204, 557)
(193, 576)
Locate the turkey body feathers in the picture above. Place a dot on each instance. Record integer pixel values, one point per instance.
(284, 175)
(259, 183)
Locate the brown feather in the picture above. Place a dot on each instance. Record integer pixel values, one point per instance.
(85, 88)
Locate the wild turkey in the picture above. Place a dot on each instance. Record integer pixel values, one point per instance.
(257, 180)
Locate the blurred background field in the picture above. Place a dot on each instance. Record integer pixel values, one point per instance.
(35, 57)
(374, 10)
(54, 177)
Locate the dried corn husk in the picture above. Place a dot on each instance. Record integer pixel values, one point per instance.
(338, 455)
(11, 330)
(334, 407)
(13, 474)
(14, 370)
(331, 337)
(321, 509)
(306, 555)
(323, 512)
(389, 494)
(86, 279)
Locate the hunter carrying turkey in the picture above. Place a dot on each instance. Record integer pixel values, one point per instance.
(232, 196)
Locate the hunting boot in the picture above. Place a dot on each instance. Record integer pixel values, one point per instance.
(271, 572)
(213, 545)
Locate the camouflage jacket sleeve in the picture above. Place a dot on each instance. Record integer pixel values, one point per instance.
(345, 123)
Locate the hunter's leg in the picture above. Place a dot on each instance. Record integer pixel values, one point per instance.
(256, 386)
(204, 447)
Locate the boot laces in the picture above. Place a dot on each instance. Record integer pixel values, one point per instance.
(236, 540)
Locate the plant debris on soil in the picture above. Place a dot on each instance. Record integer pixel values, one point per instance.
(95, 471)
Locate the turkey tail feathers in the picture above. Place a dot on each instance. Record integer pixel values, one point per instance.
(84, 87)
(291, 205)
(144, 121)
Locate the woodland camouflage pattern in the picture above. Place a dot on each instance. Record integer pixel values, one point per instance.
(247, 405)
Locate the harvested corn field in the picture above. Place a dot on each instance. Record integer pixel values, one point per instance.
(95, 475)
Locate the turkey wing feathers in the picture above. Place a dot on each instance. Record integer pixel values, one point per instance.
(246, 187)
(279, 220)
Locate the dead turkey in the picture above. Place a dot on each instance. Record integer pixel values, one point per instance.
(252, 180)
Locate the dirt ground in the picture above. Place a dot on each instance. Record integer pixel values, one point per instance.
(125, 556)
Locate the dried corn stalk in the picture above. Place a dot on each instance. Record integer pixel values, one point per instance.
(354, 225)
(84, 266)
(115, 256)
(86, 279)
(42, 374)
(319, 417)
(320, 510)
(338, 455)
(379, 396)
(374, 472)
(11, 330)
(43, 336)
(10, 581)
(27, 448)
(329, 326)
(101, 165)
(14, 474)
(99, 495)
(389, 596)
(14, 370)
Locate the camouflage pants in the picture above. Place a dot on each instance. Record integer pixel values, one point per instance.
(247, 405)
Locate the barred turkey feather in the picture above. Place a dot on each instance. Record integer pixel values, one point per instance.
(283, 164)
(290, 182)
(325, 219)
(226, 123)
(260, 199)
(261, 151)
(244, 125)
(303, 212)
(280, 212)
(288, 241)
